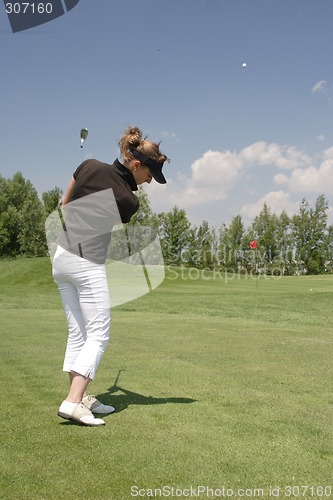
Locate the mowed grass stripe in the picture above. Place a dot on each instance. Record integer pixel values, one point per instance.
(219, 384)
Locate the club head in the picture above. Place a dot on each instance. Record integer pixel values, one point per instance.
(83, 135)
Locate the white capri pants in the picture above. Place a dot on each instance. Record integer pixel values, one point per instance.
(85, 296)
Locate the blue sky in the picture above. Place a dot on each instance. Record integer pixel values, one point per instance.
(237, 137)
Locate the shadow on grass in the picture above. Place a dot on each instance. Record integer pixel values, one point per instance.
(127, 398)
(122, 401)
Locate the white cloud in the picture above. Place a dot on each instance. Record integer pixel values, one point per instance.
(319, 86)
(312, 179)
(277, 201)
(260, 152)
(280, 179)
(215, 173)
(328, 154)
(214, 176)
(323, 88)
(215, 169)
(263, 153)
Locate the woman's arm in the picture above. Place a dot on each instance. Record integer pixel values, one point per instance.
(68, 193)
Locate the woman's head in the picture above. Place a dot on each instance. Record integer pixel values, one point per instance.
(141, 156)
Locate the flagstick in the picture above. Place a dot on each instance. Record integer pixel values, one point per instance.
(255, 261)
(253, 246)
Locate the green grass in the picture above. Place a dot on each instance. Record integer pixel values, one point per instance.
(222, 382)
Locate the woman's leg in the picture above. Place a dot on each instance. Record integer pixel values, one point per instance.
(94, 301)
(78, 386)
(85, 296)
(76, 327)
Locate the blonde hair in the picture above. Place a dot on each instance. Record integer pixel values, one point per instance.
(133, 138)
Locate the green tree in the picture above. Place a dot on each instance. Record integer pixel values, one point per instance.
(309, 231)
(205, 246)
(31, 237)
(231, 245)
(51, 200)
(190, 255)
(144, 216)
(174, 230)
(328, 245)
(22, 219)
(265, 226)
(285, 259)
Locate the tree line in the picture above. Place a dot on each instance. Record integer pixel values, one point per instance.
(300, 244)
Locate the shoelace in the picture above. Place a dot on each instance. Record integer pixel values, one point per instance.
(86, 410)
(91, 399)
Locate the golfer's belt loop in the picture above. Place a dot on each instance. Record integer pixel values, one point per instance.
(80, 250)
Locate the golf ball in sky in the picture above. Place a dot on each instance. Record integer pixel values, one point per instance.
(244, 65)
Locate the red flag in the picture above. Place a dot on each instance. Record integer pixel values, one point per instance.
(253, 244)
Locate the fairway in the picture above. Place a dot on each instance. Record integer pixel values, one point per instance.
(220, 382)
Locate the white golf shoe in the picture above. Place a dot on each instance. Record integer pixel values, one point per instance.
(96, 406)
(79, 413)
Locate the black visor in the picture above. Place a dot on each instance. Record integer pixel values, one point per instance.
(154, 167)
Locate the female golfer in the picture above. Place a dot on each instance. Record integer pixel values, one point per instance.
(97, 189)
